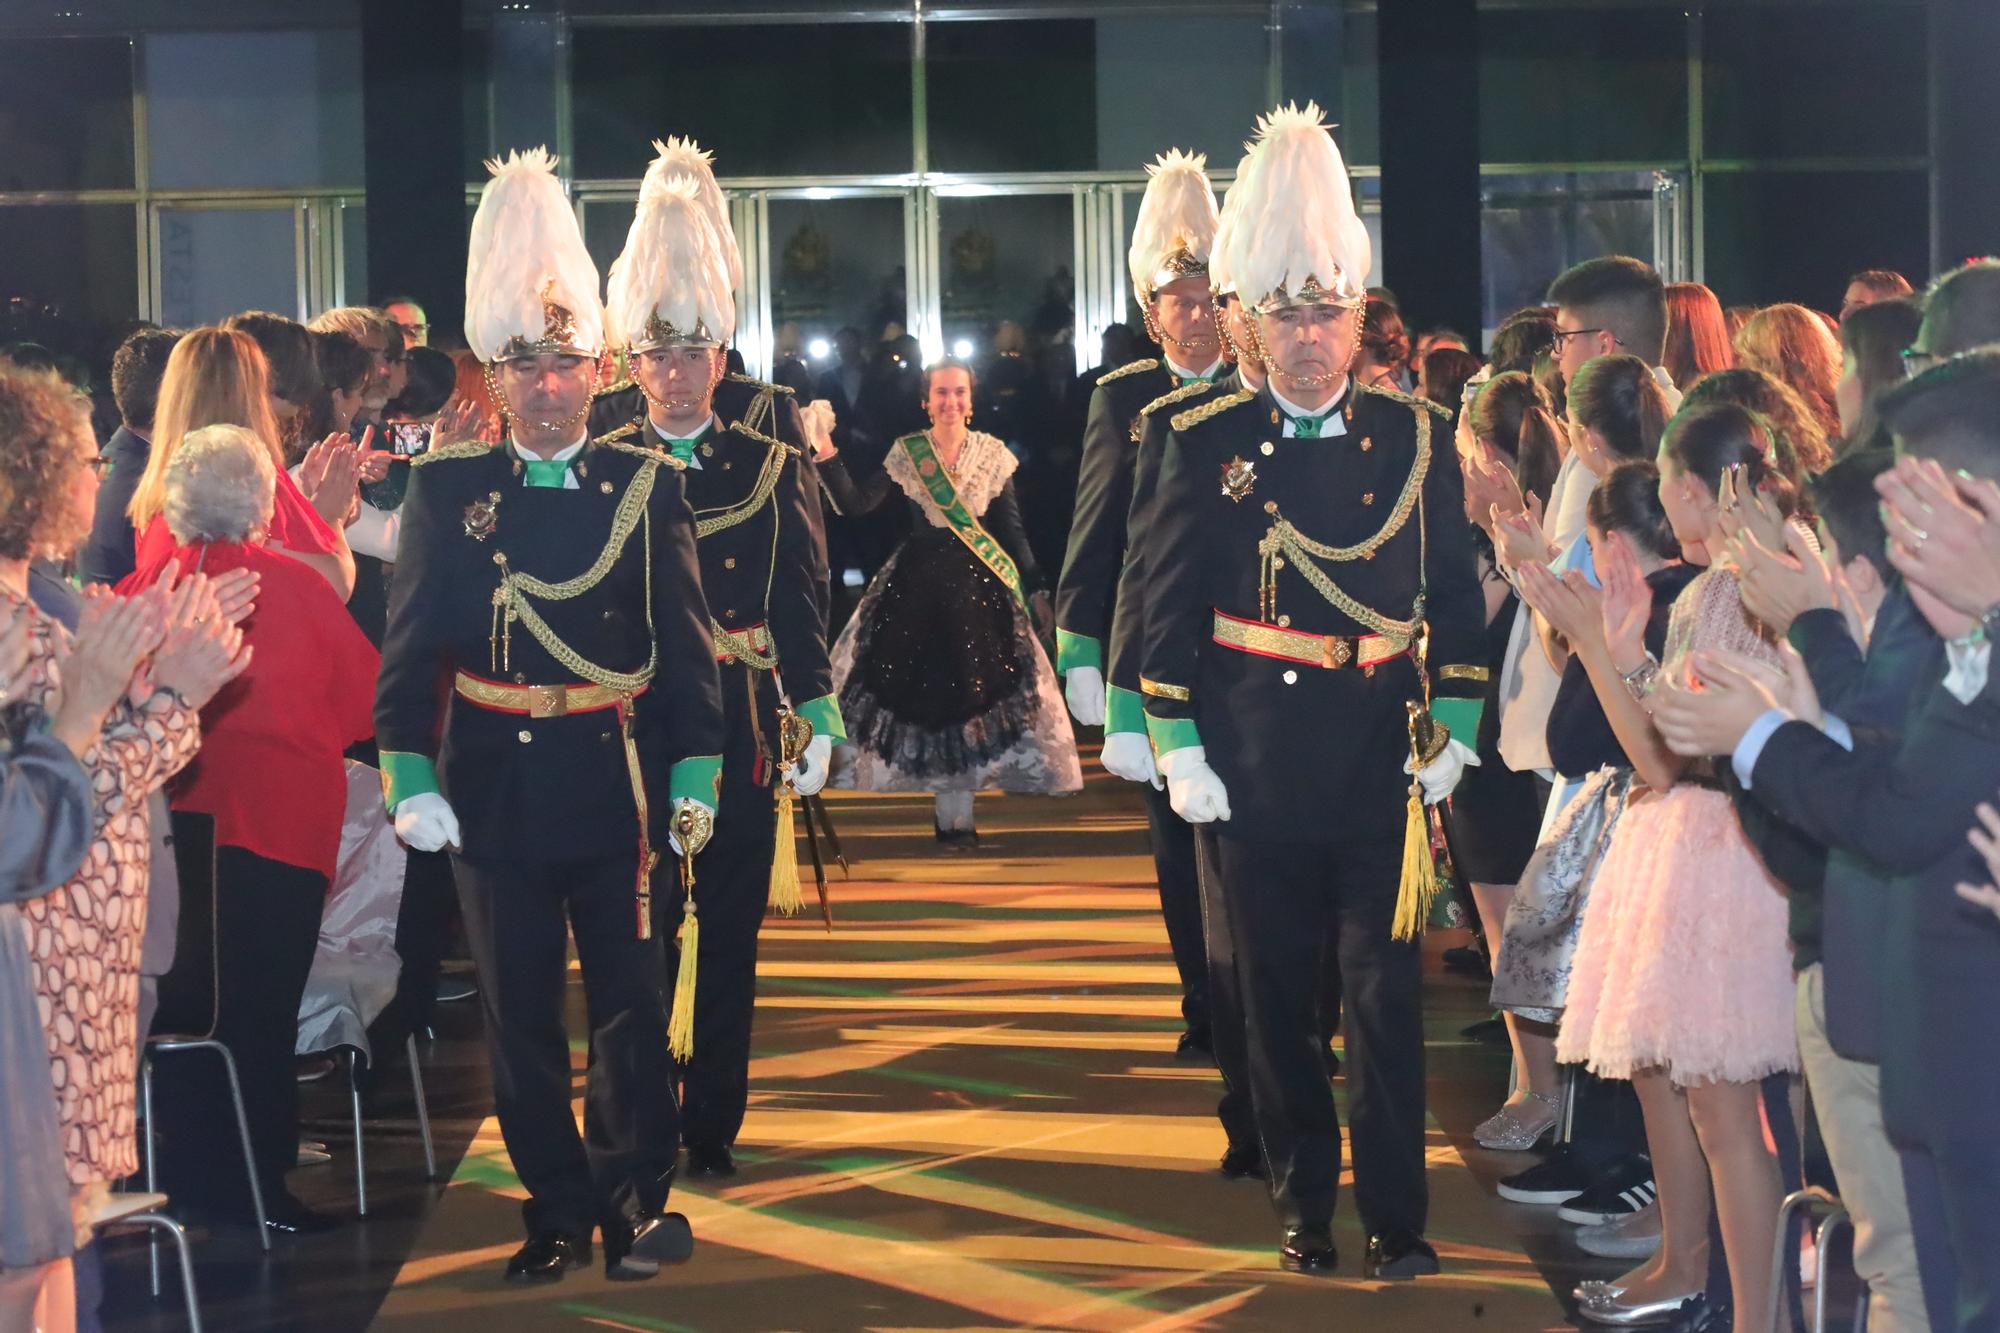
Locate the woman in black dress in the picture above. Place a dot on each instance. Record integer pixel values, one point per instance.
(942, 680)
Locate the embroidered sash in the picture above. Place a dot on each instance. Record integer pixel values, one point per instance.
(938, 487)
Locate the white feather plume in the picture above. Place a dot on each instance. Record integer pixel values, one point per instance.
(672, 265)
(525, 244)
(1176, 214)
(1298, 219)
(682, 156)
(1221, 255)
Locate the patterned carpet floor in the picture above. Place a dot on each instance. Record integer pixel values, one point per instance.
(966, 1114)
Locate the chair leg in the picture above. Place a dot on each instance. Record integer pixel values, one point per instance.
(423, 1108)
(360, 1149)
(156, 1223)
(243, 1132)
(1834, 1222)
(152, 1163)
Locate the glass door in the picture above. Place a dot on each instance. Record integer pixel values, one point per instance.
(212, 258)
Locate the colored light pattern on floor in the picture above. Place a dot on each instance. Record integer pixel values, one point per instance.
(966, 1114)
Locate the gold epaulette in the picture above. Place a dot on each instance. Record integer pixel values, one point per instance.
(470, 449)
(616, 386)
(1194, 416)
(617, 433)
(762, 384)
(641, 451)
(1396, 395)
(1195, 390)
(768, 441)
(1130, 368)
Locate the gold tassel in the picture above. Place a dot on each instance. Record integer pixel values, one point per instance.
(1419, 885)
(680, 1023)
(786, 896)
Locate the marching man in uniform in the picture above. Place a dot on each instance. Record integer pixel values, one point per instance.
(1311, 603)
(671, 308)
(1169, 262)
(553, 583)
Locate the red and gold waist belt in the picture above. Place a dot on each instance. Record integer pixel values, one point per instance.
(1330, 651)
(537, 700)
(750, 645)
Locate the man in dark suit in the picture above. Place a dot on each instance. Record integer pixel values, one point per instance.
(671, 308)
(553, 581)
(1169, 263)
(136, 371)
(1310, 588)
(1892, 806)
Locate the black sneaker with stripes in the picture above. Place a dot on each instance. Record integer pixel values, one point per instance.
(1623, 1188)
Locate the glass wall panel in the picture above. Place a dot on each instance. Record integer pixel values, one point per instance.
(1576, 84)
(217, 261)
(354, 253)
(1781, 81)
(1147, 102)
(1359, 108)
(768, 99)
(296, 123)
(1534, 227)
(66, 113)
(74, 263)
(1014, 96)
(1855, 219)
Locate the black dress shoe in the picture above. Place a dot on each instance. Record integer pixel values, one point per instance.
(1309, 1250)
(1195, 1044)
(633, 1253)
(710, 1163)
(1242, 1162)
(547, 1256)
(1398, 1256)
(959, 839)
(286, 1216)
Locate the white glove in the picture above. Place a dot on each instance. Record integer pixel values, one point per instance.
(425, 822)
(1129, 755)
(819, 422)
(1084, 688)
(809, 774)
(1197, 794)
(674, 837)
(1441, 775)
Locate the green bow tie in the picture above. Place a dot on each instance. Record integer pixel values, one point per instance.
(682, 450)
(553, 473)
(1306, 428)
(1186, 380)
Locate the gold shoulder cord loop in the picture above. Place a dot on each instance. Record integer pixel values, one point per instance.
(711, 521)
(1283, 541)
(510, 599)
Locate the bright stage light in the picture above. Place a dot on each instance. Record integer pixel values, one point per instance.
(962, 349)
(817, 349)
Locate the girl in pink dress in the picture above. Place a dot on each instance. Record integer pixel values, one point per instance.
(1683, 965)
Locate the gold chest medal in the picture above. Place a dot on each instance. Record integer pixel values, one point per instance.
(1238, 479)
(482, 517)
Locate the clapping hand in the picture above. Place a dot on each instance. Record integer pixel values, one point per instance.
(1778, 586)
(1739, 512)
(1985, 837)
(113, 636)
(1707, 712)
(1626, 602)
(1489, 485)
(330, 477)
(371, 463)
(235, 593)
(459, 423)
(202, 651)
(1944, 533)
(1571, 606)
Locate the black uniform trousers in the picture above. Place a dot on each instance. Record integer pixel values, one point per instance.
(1225, 997)
(1180, 902)
(731, 890)
(1283, 899)
(515, 918)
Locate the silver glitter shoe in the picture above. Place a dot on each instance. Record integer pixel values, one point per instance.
(1618, 1312)
(1593, 1293)
(1506, 1131)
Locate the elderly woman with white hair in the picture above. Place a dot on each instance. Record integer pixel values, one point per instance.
(272, 777)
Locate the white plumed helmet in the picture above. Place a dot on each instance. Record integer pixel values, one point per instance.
(1176, 223)
(1301, 241)
(530, 285)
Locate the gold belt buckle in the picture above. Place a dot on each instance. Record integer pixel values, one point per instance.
(1336, 651)
(548, 701)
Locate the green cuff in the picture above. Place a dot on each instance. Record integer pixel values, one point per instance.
(1077, 650)
(1172, 733)
(696, 779)
(824, 714)
(1461, 716)
(405, 775)
(1124, 710)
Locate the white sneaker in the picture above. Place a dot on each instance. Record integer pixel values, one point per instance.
(1633, 1237)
